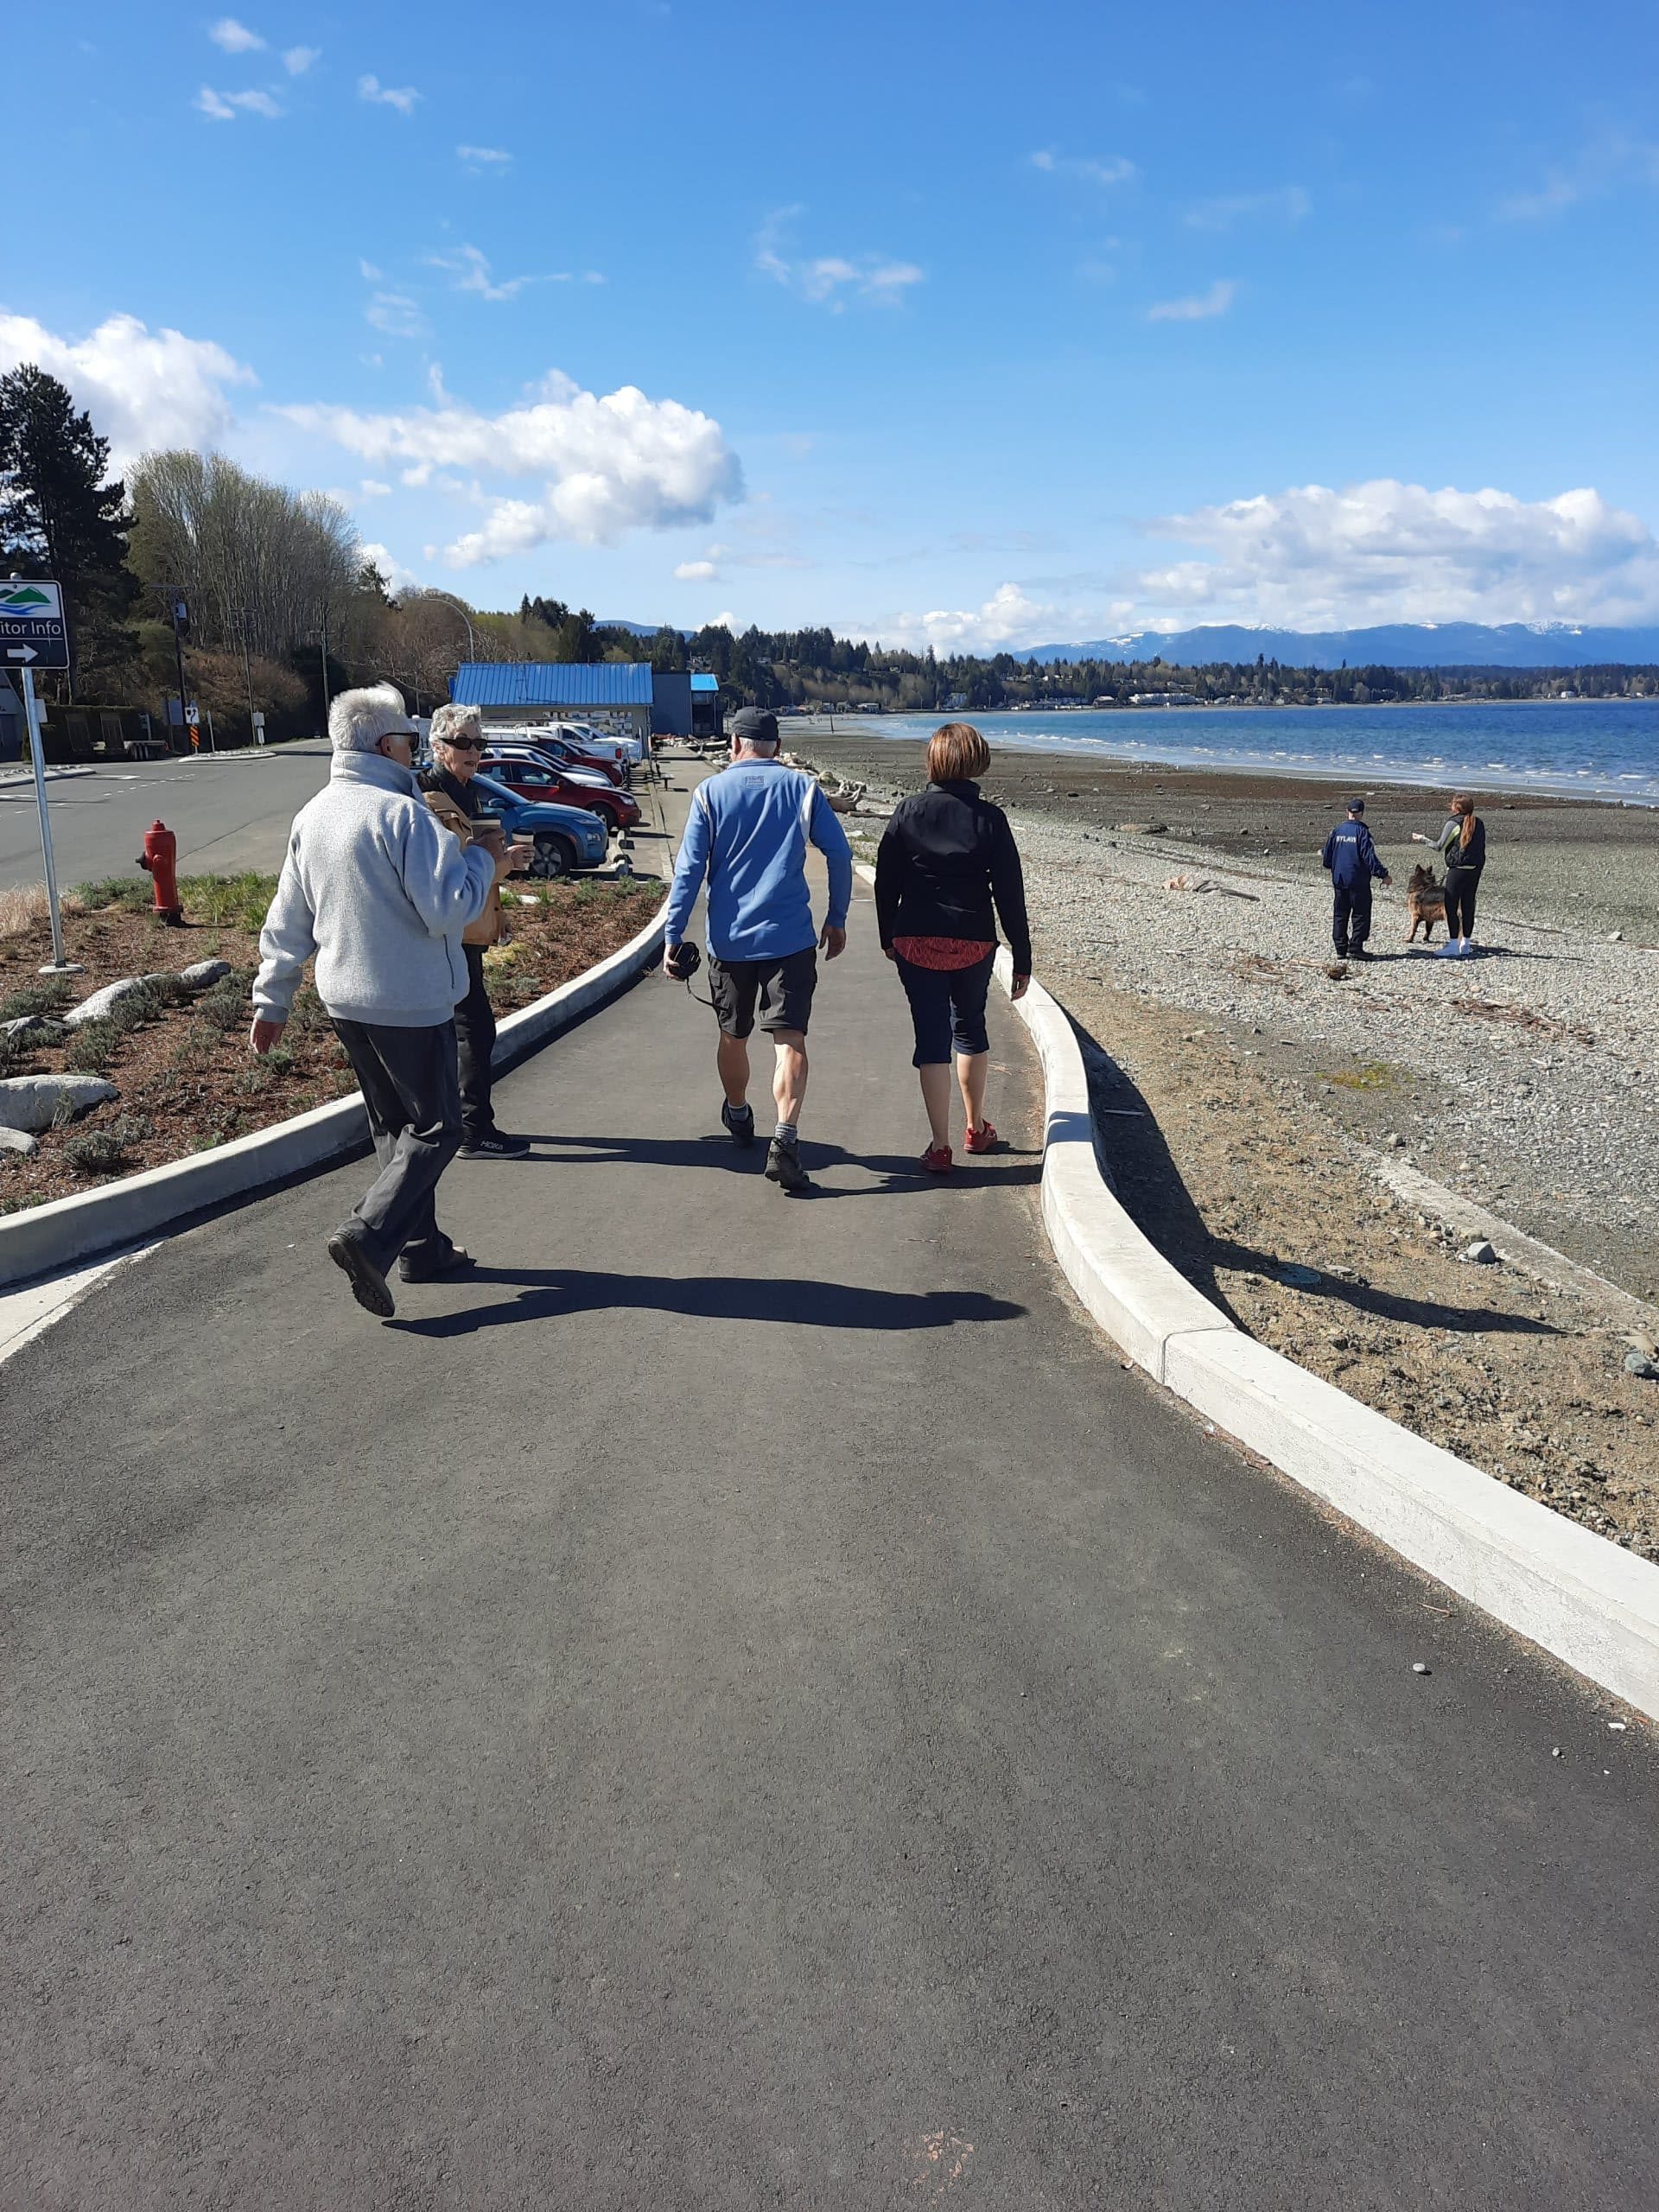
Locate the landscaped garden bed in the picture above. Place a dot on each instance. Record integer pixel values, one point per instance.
(178, 1059)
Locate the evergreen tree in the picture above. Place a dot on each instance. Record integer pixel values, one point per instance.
(58, 513)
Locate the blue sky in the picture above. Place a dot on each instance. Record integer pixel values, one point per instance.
(949, 322)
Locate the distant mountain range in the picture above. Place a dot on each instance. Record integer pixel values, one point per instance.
(1393, 644)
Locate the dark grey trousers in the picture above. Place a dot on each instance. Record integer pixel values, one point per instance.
(475, 1042)
(412, 1089)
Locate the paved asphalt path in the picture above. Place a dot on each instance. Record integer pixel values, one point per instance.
(746, 1703)
(229, 812)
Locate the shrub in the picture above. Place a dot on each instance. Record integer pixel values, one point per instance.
(90, 1047)
(22, 909)
(227, 1005)
(148, 1003)
(132, 893)
(44, 997)
(95, 1151)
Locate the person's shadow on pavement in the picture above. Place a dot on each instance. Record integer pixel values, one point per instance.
(549, 1292)
(900, 1171)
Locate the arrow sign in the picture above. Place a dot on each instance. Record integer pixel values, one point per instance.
(31, 623)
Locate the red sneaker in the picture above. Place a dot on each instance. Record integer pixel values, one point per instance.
(980, 1140)
(937, 1159)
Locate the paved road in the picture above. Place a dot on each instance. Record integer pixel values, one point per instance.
(748, 1703)
(227, 813)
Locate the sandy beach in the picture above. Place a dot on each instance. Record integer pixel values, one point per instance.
(1259, 1107)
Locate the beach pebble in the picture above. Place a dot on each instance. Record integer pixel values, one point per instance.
(1418, 1667)
(1296, 1277)
(1394, 1141)
(1480, 1253)
(1638, 1365)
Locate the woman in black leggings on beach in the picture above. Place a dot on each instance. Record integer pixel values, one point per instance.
(1462, 846)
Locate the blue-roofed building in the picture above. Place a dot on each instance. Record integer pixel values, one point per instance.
(706, 718)
(618, 691)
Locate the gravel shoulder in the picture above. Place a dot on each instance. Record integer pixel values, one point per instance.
(1253, 1100)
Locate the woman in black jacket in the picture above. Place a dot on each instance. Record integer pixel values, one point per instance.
(1462, 846)
(947, 872)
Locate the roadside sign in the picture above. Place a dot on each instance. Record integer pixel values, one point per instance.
(32, 633)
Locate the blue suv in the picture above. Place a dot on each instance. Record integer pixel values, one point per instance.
(566, 838)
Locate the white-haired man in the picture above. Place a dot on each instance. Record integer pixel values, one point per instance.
(380, 894)
(457, 739)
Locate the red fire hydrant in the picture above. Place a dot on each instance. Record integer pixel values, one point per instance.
(160, 853)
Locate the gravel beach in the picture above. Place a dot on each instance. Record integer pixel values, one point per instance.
(1522, 1080)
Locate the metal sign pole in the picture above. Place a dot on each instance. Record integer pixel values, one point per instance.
(59, 965)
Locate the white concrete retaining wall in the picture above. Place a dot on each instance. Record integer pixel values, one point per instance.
(63, 1231)
(1583, 1599)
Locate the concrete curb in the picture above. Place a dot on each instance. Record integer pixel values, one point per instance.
(56, 1235)
(1581, 1597)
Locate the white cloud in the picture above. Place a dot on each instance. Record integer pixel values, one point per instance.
(607, 465)
(695, 572)
(1289, 204)
(371, 489)
(371, 274)
(402, 97)
(1008, 621)
(396, 314)
(1391, 552)
(830, 278)
(1198, 306)
(397, 577)
(296, 60)
(1116, 168)
(471, 271)
(481, 158)
(1606, 164)
(142, 388)
(223, 106)
(231, 37)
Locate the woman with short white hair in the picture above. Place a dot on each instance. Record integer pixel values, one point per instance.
(457, 740)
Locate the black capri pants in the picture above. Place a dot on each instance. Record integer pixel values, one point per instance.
(947, 1007)
(1461, 885)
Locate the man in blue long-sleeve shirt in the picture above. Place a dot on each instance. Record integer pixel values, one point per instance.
(1352, 860)
(748, 834)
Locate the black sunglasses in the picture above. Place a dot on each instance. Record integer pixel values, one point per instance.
(463, 744)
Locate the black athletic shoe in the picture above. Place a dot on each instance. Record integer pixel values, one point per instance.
(739, 1121)
(1359, 953)
(455, 1261)
(784, 1168)
(497, 1146)
(368, 1284)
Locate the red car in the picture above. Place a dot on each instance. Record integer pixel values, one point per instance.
(555, 748)
(536, 778)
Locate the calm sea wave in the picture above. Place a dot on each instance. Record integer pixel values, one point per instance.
(1599, 748)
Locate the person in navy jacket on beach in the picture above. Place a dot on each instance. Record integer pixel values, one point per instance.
(1354, 865)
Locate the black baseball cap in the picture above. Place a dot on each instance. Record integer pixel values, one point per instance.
(1356, 806)
(754, 726)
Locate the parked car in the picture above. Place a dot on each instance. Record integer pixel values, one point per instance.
(566, 838)
(543, 747)
(532, 776)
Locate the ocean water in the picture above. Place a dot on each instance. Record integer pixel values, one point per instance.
(1594, 749)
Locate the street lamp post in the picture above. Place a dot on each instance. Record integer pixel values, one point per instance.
(243, 618)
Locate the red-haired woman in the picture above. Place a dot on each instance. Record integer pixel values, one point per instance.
(947, 870)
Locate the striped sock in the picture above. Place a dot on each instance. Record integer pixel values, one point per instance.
(784, 1133)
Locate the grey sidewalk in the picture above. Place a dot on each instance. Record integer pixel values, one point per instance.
(748, 1703)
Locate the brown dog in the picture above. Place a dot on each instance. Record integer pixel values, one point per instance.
(1425, 902)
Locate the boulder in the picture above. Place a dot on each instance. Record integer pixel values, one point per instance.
(1641, 1366)
(23, 1022)
(1480, 1254)
(96, 1007)
(31, 1102)
(202, 972)
(17, 1141)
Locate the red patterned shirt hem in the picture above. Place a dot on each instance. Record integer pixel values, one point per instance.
(942, 954)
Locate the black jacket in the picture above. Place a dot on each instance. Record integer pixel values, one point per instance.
(946, 856)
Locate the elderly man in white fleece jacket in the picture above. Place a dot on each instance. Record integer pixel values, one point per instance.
(380, 893)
